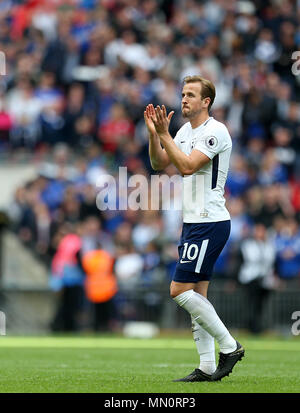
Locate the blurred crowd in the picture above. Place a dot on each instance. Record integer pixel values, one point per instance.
(79, 75)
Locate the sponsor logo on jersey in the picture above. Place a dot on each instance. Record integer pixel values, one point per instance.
(211, 142)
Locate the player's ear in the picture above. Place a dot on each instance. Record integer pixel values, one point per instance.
(206, 101)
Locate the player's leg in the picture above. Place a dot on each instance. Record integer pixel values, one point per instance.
(205, 343)
(203, 312)
(202, 287)
(200, 309)
(206, 326)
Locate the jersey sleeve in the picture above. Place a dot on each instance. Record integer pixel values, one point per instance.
(177, 138)
(213, 142)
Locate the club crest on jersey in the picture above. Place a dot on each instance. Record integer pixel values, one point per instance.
(211, 142)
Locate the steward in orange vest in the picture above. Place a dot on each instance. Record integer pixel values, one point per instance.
(100, 282)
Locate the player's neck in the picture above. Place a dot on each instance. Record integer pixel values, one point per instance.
(198, 120)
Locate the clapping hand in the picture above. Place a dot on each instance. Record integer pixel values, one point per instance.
(148, 114)
(157, 120)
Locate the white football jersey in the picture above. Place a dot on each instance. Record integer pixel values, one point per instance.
(203, 192)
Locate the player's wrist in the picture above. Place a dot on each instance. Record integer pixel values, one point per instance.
(152, 135)
(164, 136)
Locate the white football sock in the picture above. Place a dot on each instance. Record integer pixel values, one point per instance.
(205, 344)
(204, 314)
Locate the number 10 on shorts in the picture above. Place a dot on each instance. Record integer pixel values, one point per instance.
(191, 252)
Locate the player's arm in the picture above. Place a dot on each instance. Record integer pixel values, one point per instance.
(159, 158)
(186, 164)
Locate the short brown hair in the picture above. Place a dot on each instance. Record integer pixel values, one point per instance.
(208, 89)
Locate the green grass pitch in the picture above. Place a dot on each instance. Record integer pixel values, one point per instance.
(103, 364)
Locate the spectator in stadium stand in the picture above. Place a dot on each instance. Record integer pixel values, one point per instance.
(287, 242)
(67, 277)
(74, 109)
(295, 199)
(147, 230)
(92, 234)
(24, 108)
(254, 155)
(257, 255)
(115, 130)
(223, 268)
(259, 110)
(254, 202)
(51, 117)
(275, 203)
(272, 171)
(239, 219)
(5, 124)
(285, 149)
(238, 176)
(24, 209)
(42, 230)
(88, 205)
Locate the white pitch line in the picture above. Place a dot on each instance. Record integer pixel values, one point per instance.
(121, 343)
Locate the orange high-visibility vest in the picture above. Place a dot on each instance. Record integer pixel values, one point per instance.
(100, 283)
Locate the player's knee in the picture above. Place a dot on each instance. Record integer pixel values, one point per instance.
(174, 291)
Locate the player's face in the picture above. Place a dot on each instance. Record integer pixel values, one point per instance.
(192, 103)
